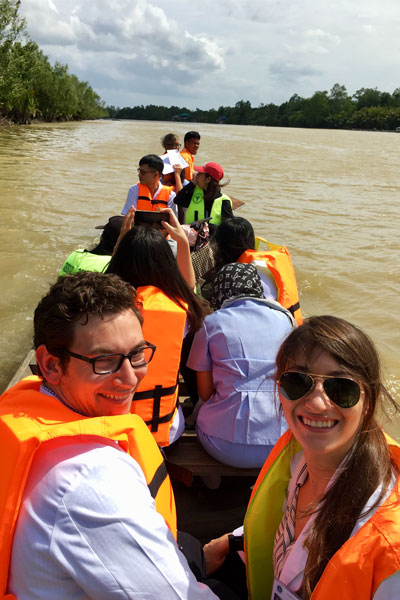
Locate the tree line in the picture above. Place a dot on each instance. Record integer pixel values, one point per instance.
(367, 108)
(30, 87)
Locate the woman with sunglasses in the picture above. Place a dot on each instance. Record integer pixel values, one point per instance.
(337, 473)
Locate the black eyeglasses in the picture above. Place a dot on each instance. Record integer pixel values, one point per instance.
(110, 363)
(343, 391)
(141, 172)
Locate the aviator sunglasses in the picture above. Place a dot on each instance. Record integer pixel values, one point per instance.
(343, 391)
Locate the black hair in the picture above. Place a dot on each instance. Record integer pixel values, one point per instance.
(153, 161)
(231, 239)
(143, 258)
(191, 135)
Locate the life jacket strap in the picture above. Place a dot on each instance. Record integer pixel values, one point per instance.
(158, 479)
(294, 307)
(157, 393)
(154, 201)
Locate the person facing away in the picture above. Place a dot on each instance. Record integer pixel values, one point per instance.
(234, 241)
(144, 259)
(149, 193)
(191, 144)
(234, 355)
(99, 257)
(203, 198)
(87, 506)
(323, 521)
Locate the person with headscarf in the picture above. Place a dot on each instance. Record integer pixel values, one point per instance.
(234, 356)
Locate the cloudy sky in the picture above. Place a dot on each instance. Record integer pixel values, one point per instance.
(209, 53)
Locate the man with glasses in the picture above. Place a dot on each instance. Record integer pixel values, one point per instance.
(87, 507)
(149, 193)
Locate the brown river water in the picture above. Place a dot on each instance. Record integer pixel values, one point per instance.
(333, 197)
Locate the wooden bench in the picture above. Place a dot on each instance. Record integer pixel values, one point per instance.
(187, 458)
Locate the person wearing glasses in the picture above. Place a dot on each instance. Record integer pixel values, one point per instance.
(87, 506)
(324, 517)
(149, 193)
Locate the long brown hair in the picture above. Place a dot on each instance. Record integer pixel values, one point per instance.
(368, 463)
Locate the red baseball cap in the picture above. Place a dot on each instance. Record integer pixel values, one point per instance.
(213, 169)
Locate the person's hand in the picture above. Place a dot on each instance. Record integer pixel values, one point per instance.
(178, 169)
(215, 553)
(174, 228)
(127, 224)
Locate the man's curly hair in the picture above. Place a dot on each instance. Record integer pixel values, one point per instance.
(75, 298)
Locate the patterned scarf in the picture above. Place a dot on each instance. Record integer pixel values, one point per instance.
(236, 280)
(284, 537)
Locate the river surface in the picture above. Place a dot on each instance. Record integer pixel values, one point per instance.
(333, 197)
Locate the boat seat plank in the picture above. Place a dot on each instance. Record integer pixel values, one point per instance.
(187, 458)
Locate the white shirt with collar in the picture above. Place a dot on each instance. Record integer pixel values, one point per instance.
(133, 194)
(88, 528)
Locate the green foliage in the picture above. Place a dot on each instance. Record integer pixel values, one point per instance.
(367, 109)
(30, 87)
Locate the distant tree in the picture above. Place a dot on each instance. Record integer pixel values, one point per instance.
(367, 97)
(316, 110)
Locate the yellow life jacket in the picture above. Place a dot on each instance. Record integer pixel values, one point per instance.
(147, 202)
(156, 397)
(355, 571)
(29, 418)
(196, 209)
(276, 261)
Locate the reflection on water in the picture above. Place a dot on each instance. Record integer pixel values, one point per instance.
(331, 196)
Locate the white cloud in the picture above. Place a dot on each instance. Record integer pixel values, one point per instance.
(210, 53)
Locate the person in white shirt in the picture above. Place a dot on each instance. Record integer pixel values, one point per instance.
(149, 193)
(90, 522)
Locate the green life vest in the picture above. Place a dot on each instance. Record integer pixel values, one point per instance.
(82, 260)
(195, 210)
(264, 514)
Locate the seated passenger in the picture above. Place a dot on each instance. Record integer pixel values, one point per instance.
(234, 356)
(203, 198)
(324, 517)
(87, 508)
(234, 241)
(145, 260)
(149, 193)
(177, 178)
(191, 143)
(98, 258)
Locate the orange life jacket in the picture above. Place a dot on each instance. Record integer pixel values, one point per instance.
(147, 202)
(189, 171)
(156, 397)
(279, 263)
(356, 570)
(29, 418)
